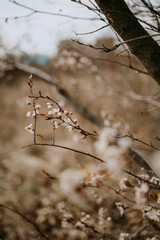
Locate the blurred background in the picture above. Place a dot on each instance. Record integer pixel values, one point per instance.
(36, 37)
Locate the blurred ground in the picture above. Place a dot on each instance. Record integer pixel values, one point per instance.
(95, 85)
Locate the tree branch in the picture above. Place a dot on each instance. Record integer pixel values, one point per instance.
(66, 148)
(27, 220)
(35, 11)
(127, 26)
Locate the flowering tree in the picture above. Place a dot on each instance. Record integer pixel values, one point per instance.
(128, 27)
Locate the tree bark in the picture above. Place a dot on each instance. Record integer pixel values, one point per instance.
(127, 26)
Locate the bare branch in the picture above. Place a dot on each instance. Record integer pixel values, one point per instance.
(146, 99)
(66, 148)
(27, 220)
(35, 11)
(106, 49)
(156, 186)
(77, 34)
(138, 140)
(146, 49)
(130, 66)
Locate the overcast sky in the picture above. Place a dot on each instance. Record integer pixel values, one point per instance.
(40, 33)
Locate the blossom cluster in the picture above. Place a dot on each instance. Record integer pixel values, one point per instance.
(59, 116)
(72, 60)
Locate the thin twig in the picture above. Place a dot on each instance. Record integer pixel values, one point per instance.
(77, 34)
(138, 140)
(106, 49)
(35, 11)
(156, 186)
(120, 194)
(136, 234)
(112, 61)
(27, 220)
(66, 148)
(48, 175)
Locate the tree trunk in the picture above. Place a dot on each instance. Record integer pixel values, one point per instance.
(127, 26)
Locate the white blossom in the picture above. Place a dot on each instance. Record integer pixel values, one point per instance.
(67, 123)
(156, 237)
(124, 143)
(29, 114)
(122, 183)
(141, 193)
(29, 129)
(85, 217)
(109, 219)
(50, 113)
(114, 160)
(55, 111)
(66, 112)
(69, 180)
(75, 121)
(105, 137)
(35, 113)
(158, 200)
(144, 176)
(37, 106)
(155, 180)
(64, 224)
(153, 215)
(96, 180)
(124, 236)
(101, 216)
(56, 124)
(49, 104)
(79, 224)
(120, 207)
(59, 114)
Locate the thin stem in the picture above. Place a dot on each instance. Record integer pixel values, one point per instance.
(27, 220)
(35, 11)
(66, 148)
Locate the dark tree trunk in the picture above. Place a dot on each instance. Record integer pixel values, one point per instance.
(127, 26)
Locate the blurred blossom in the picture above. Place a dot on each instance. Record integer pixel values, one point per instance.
(120, 207)
(124, 236)
(155, 162)
(105, 137)
(114, 161)
(124, 143)
(70, 179)
(155, 180)
(101, 216)
(70, 182)
(123, 185)
(141, 193)
(153, 215)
